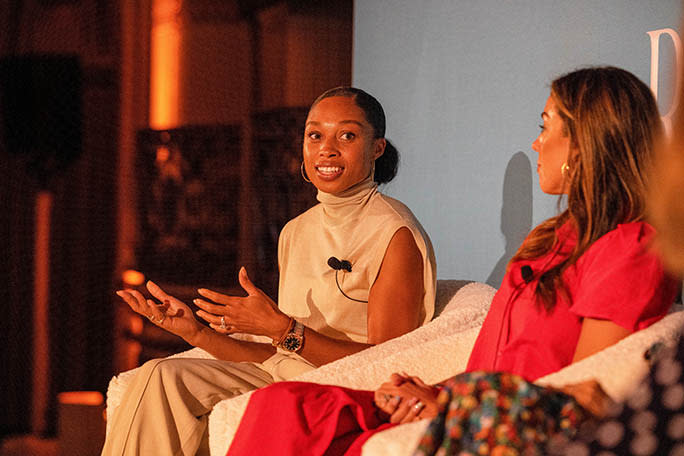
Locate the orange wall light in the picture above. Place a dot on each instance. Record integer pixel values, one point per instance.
(165, 63)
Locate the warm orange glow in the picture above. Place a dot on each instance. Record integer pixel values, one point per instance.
(132, 278)
(41, 297)
(165, 63)
(163, 154)
(81, 398)
(135, 326)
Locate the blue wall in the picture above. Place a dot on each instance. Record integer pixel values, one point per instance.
(463, 84)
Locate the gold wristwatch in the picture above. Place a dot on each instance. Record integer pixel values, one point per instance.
(294, 340)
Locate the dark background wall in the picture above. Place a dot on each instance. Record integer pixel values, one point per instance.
(59, 102)
(246, 66)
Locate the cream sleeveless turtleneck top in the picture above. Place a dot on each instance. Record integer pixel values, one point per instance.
(356, 225)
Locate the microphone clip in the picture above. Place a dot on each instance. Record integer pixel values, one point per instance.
(527, 273)
(338, 265)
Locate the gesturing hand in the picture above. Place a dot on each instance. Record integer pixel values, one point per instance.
(254, 314)
(172, 314)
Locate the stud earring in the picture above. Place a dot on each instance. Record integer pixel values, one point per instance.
(303, 171)
(564, 168)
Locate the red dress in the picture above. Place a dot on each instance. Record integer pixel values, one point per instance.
(617, 279)
(297, 418)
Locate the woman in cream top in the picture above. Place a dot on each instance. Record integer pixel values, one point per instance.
(390, 289)
(308, 287)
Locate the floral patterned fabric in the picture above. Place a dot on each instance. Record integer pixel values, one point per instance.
(498, 414)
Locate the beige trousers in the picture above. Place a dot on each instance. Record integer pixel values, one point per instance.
(165, 408)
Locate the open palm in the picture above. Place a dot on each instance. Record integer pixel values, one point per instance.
(170, 313)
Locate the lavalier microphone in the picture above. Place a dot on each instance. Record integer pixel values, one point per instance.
(338, 265)
(527, 273)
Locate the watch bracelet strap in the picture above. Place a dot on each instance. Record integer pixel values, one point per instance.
(298, 328)
(276, 343)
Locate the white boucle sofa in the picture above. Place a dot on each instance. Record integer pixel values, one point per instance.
(435, 352)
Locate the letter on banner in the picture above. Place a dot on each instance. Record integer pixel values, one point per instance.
(655, 41)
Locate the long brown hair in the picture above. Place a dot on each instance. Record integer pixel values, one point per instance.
(613, 123)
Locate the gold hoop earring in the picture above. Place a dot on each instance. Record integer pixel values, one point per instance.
(303, 171)
(564, 169)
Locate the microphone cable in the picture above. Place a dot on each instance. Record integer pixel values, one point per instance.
(337, 265)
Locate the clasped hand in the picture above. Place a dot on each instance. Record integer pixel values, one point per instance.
(404, 399)
(254, 314)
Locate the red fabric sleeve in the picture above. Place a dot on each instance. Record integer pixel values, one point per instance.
(621, 280)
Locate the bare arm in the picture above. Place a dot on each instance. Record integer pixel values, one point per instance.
(394, 306)
(596, 335)
(229, 349)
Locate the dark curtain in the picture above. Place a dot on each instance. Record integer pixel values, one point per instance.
(83, 241)
(17, 195)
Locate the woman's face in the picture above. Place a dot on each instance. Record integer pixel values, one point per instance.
(553, 146)
(339, 145)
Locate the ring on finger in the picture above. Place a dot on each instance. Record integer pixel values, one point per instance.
(418, 406)
(223, 323)
(157, 321)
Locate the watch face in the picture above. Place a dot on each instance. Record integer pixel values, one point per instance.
(292, 342)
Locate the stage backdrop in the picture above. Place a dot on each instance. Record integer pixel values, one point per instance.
(463, 84)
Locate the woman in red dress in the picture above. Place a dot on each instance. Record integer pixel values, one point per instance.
(580, 282)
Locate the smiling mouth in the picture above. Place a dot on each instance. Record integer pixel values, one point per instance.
(329, 172)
